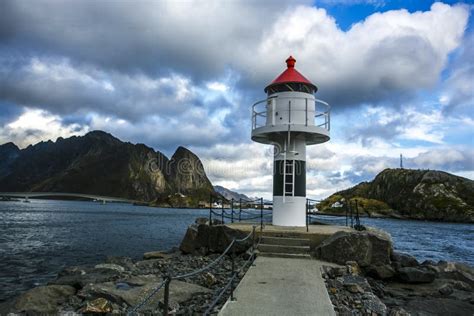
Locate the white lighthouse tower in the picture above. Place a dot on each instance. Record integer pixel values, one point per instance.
(290, 118)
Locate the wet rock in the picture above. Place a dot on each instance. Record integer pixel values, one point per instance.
(44, 299)
(99, 305)
(415, 275)
(156, 255)
(398, 311)
(366, 248)
(382, 272)
(189, 242)
(404, 260)
(111, 266)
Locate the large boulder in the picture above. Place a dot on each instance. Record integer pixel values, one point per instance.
(366, 248)
(455, 271)
(402, 260)
(205, 239)
(78, 276)
(382, 272)
(438, 306)
(415, 275)
(43, 299)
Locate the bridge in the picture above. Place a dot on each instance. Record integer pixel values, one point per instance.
(27, 195)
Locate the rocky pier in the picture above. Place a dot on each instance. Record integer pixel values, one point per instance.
(362, 273)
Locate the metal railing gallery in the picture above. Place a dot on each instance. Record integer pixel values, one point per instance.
(321, 118)
(238, 211)
(229, 285)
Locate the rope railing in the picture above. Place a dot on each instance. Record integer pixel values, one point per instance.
(167, 278)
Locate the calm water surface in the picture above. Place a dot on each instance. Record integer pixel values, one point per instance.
(40, 238)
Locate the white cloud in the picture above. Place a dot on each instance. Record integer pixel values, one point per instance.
(36, 125)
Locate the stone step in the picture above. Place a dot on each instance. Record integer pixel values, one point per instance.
(283, 241)
(285, 255)
(283, 249)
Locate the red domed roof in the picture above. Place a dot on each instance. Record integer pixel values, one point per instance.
(291, 75)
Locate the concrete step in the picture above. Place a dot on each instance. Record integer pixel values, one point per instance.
(283, 241)
(283, 249)
(285, 255)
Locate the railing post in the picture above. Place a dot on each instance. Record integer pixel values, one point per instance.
(261, 214)
(166, 298)
(232, 256)
(210, 209)
(347, 223)
(222, 211)
(352, 218)
(232, 210)
(253, 245)
(240, 209)
(307, 219)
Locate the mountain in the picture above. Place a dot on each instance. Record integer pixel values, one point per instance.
(407, 193)
(228, 194)
(100, 164)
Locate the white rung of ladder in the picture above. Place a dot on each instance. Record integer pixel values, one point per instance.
(289, 178)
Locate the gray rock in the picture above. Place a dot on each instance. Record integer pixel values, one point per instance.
(404, 260)
(207, 239)
(78, 277)
(156, 255)
(446, 290)
(125, 262)
(382, 272)
(366, 248)
(415, 275)
(44, 299)
(439, 306)
(110, 266)
(455, 271)
(139, 287)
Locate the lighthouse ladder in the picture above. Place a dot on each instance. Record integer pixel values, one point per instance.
(289, 178)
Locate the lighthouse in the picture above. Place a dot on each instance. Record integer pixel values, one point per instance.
(290, 118)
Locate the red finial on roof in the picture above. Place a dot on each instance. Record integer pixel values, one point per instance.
(290, 62)
(291, 75)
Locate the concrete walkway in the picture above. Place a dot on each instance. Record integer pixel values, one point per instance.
(281, 286)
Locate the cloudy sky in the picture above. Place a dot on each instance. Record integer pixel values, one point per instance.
(399, 76)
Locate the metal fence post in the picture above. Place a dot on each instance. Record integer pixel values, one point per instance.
(253, 244)
(307, 215)
(352, 218)
(166, 298)
(210, 209)
(232, 210)
(222, 211)
(240, 209)
(347, 223)
(232, 256)
(261, 214)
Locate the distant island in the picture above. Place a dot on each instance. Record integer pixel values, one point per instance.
(100, 164)
(409, 194)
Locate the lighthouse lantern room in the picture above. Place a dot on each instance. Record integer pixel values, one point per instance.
(289, 119)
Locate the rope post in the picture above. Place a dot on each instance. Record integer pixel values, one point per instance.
(240, 209)
(166, 298)
(352, 218)
(222, 211)
(232, 210)
(261, 214)
(347, 224)
(232, 256)
(307, 215)
(253, 244)
(210, 209)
